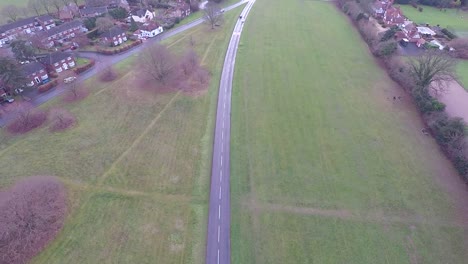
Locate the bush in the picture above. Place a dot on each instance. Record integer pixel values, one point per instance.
(448, 33)
(61, 120)
(385, 49)
(32, 213)
(420, 9)
(83, 68)
(46, 87)
(26, 118)
(389, 33)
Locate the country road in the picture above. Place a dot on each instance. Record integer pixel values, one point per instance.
(103, 60)
(218, 249)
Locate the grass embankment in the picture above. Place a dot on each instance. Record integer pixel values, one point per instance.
(136, 165)
(462, 72)
(452, 19)
(326, 166)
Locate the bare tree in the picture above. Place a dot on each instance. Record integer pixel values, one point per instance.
(31, 214)
(433, 70)
(158, 64)
(25, 118)
(108, 74)
(104, 23)
(190, 63)
(65, 2)
(24, 11)
(212, 15)
(11, 11)
(46, 5)
(35, 6)
(61, 119)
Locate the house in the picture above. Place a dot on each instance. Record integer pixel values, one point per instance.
(68, 12)
(180, 11)
(143, 15)
(29, 25)
(380, 6)
(410, 34)
(36, 73)
(149, 30)
(93, 11)
(58, 61)
(114, 36)
(119, 3)
(61, 33)
(393, 16)
(426, 32)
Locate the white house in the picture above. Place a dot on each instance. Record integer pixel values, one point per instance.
(150, 30)
(143, 16)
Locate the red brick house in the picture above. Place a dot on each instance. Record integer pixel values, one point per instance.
(114, 36)
(35, 72)
(57, 62)
(380, 6)
(59, 34)
(25, 26)
(393, 17)
(93, 11)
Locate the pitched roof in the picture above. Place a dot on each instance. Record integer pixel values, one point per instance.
(32, 67)
(54, 57)
(113, 32)
(93, 10)
(141, 12)
(150, 26)
(24, 22)
(64, 27)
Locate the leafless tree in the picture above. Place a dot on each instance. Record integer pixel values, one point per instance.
(11, 11)
(104, 23)
(61, 119)
(35, 6)
(46, 5)
(433, 69)
(76, 2)
(32, 212)
(212, 15)
(24, 11)
(81, 39)
(108, 74)
(202, 76)
(158, 64)
(65, 2)
(25, 118)
(189, 63)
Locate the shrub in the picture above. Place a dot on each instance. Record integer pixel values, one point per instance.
(461, 47)
(385, 49)
(32, 212)
(61, 120)
(420, 9)
(108, 75)
(26, 118)
(389, 33)
(46, 87)
(448, 33)
(83, 68)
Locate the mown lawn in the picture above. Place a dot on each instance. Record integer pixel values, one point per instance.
(326, 166)
(137, 165)
(462, 72)
(452, 19)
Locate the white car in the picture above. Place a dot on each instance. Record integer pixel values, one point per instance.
(69, 79)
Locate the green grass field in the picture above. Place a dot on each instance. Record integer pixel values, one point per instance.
(137, 165)
(326, 167)
(452, 19)
(462, 72)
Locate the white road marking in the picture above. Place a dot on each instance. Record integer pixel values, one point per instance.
(221, 176)
(218, 233)
(218, 256)
(219, 212)
(221, 160)
(219, 192)
(222, 134)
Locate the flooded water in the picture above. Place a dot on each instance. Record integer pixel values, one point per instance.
(455, 97)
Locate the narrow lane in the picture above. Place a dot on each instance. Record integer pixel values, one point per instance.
(219, 216)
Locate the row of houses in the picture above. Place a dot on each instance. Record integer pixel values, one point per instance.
(410, 32)
(37, 72)
(29, 25)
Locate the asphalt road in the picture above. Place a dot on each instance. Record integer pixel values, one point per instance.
(218, 248)
(102, 61)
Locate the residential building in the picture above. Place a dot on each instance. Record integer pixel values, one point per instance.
(380, 6)
(58, 61)
(119, 3)
(61, 33)
(143, 15)
(114, 36)
(29, 25)
(150, 30)
(68, 12)
(93, 11)
(393, 16)
(36, 73)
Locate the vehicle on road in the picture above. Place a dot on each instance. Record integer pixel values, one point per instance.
(69, 79)
(7, 99)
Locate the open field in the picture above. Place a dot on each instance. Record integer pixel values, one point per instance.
(462, 72)
(137, 165)
(451, 19)
(326, 166)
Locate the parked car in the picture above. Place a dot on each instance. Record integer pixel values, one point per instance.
(69, 79)
(7, 99)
